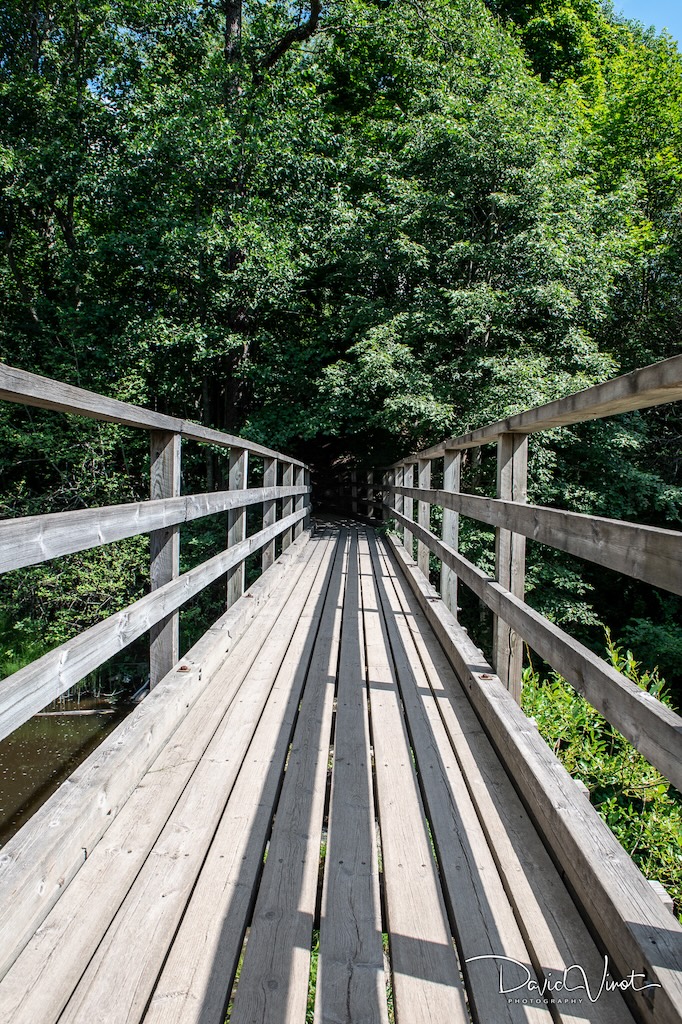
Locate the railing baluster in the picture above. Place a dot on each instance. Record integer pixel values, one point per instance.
(269, 510)
(397, 500)
(287, 503)
(451, 482)
(510, 558)
(424, 514)
(236, 522)
(300, 500)
(408, 510)
(354, 492)
(308, 500)
(164, 551)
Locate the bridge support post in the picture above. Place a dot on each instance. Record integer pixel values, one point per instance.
(287, 503)
(269, 510)
(370, 494)
(300, 501)
(510, 557)
(424, 514)
(398, 500)
(452, 470)
(164, 550)
(408, 509)
(236, 522)
(307, 499)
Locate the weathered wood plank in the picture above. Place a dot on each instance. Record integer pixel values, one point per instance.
(118, 982)
(273, 982)
(164, 552)
(652, 385)
(30, 689)
(510, 558)
(633, 926)
(647, 553)
(350, 969)
(408, 509)
(425, 970)
(30, 540)
(650, 726)
(552, 928)
(423, 513)
(41, 980)
(299, 475)
(236, 523)
(287, 504)
(43, 857)
(45, 393)
(269, 510)
(452, 469)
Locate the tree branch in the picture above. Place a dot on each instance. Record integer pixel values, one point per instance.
(294, 35)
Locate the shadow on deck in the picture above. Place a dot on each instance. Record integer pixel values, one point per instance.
(328, 834)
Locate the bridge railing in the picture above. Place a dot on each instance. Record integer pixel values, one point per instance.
(646, 553)
(31, 540)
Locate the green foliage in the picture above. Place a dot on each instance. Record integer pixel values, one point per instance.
(417, 220)
(640, 807)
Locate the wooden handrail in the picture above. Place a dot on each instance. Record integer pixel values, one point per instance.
(45, 393)
(27, 691)
(641, 389)
(646, 553)
(649, 725)
(30, 540)
(34, 539)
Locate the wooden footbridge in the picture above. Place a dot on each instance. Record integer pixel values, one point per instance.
(332, 808)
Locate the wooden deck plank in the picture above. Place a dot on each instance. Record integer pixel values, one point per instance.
(480, 914)
(40, 982)
(350, 971)
(426, 979)
(273, 983)
(197, 976)
(118, 981)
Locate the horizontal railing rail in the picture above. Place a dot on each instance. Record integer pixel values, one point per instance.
(31, 540)
(642, 389)
(650, 554)
(27, 691)
(646, 553)
(45, 393)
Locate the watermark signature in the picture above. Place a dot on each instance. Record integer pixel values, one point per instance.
(572, 979)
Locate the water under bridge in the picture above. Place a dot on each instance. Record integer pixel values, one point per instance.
(332, 807)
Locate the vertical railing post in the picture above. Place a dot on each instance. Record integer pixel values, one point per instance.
(269, 510)
(236, 522)
(510, 557)
(408, 508)
(370, 494)
(452, 470)
(308, 499)
(354, 492)
(287, 503)
(424, 515)
(300, 500)
(164, 549)
(398, 500)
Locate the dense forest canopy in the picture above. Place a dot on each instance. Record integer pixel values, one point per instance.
(346, 230)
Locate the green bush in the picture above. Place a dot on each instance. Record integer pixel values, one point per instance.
(640, 807)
